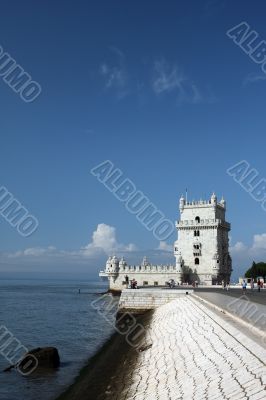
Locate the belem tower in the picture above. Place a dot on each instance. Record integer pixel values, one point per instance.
(201, 251)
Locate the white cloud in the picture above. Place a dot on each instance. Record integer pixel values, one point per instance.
(115, 74)
(165, 247)
(258, 246)
(243, 255)
(259, 242)
(114, 77)
(168, 79)
(34, 252)
(104, 240)
(253, 78)
(237, 248)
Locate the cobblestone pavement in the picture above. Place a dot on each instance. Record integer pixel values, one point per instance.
(194, 358)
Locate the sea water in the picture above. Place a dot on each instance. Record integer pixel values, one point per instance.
(51, 313)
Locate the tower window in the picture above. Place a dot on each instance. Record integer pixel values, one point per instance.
(197, 261)
(197, 219)
(196, 233)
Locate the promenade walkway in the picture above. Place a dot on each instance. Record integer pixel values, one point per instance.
(240, 305)
(252, 295)
(195, 354)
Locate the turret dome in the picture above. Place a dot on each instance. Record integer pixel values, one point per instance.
(214, 198)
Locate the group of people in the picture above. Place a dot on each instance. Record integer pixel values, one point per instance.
(225, 285)
(171, 283)
(133, 284)
(252, 284)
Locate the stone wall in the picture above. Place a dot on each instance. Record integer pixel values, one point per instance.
(139, 300)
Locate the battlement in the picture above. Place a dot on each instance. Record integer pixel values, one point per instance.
(211, 203)
(202, 203)
(140, 269)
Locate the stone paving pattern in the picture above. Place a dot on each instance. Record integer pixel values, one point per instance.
(192, 358)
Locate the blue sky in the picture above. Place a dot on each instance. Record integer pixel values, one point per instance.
(157, 88)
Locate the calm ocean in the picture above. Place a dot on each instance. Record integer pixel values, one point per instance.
(50, 313)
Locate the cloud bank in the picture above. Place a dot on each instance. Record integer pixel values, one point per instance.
(104, 242)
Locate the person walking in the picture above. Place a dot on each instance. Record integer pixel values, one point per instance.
(258, 284)
(252, 284)
(244, 286)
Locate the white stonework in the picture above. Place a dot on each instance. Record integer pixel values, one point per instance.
(145, 274)
(201, 250)
(192, 354)
(203, 246)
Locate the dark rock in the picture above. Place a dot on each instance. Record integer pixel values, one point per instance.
(41, 357)
(47, 357)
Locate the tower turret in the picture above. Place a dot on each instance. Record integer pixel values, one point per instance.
(108, 264)
(179, 266)
(145, 262)
(122, 263)
(214, 199)
(223, 203)
(181, 203)
(114, 264)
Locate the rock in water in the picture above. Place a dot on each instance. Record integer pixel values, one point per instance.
(41, 357)
(47, 357)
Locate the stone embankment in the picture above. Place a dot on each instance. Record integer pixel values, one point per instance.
(193, 354)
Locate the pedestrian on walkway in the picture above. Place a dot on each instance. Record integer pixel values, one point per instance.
(244, 286)
(258, 284)
(227, 286)
(252, 284)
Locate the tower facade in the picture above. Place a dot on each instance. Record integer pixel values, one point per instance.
(202, 247)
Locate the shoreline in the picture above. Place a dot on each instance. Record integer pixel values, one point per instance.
(100, 378)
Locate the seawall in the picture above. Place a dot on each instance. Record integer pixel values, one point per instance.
(137, 301)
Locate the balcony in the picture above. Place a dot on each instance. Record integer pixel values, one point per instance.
(203, 223)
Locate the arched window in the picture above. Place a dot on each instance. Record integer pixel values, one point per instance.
(197, 233)
(197, 261)
(197, 219)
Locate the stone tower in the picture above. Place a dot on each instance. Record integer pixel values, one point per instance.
(202, 248)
